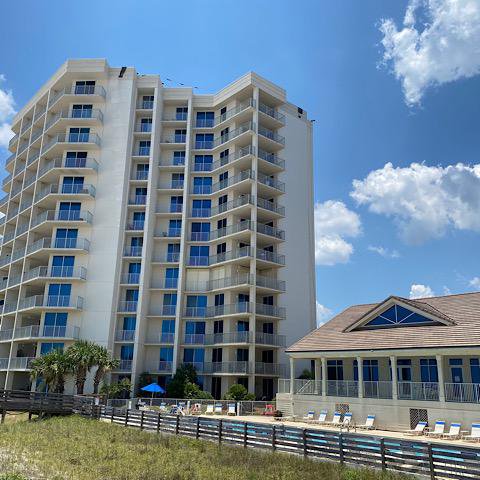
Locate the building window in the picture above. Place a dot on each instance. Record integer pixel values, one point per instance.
(475, 370)
(171, 278)
(76, 159)
(62, 266)
(50, 346)
(66, 238)
(129, 323)
(59, 294)
(55, 324)
(204, 141)
(181, 113)
(85, 87)
(178, 158)
(177, 180)
(147, 102)
(200, 232)
(180, 136)
(201, 208)
(456, 368)
(202, 185)
(169, 303)
(196, 306)
(82, 111)
(81, 135)
(428, 370)
(242, 354)
(205, 119)
(199, 255)
(146, 125)
(334, 369)
(173, 252)
(144, 148)
(72, 185)
(203, 163)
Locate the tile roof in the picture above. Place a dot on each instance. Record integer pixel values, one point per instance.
(460, 312)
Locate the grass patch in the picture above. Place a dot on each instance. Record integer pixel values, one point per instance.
(73, 448)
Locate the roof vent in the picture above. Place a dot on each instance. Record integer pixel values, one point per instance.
(122, 71)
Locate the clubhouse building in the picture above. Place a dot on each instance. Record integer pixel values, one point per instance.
(402, 360)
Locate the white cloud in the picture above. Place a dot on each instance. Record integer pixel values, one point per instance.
(7, 110)
(333, 222)
(420, 291)
(423, 201)
(475, 283)
(384, 252)
(323, 314)
(437, 44)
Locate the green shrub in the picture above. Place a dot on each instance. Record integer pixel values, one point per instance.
(238, 393)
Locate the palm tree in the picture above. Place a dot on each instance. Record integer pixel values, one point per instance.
(52, 369)
(82, 357)
(105, 363)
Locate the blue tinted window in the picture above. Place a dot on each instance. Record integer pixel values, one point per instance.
(397, 316)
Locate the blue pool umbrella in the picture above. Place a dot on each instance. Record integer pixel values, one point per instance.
(154, 388)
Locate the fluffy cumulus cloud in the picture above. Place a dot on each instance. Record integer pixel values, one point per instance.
(7, 110)
(475, 283)
(439, 42)
(333, 223)
(420, 291)
(323, 314)
(423, 201)
(384, 252)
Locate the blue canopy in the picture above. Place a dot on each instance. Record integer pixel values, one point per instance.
(154, 388)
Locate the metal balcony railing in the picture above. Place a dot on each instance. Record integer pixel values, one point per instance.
(175, 117)
(39, 301)
(33, 157)
(80, 90)
(270, 282)
(270, 134)
(67, 189)
(271, 206)
(176, 138)
(228, 367)
(462, 392)
(164, 366)
(142, 152)
(125, 365)
(125, 335)
(6, 335)
(127, 305)
(271, 112)
(133, 251)
(169, 310)
(342, 388)
(270, 256)
(38, 113)
(375, 389)
(136, 225)
(47, 331)
(56, 272)
(165, 283)
(21, 363)
(240, 153)
(84, 113)
(143, 127)
(270, 339)
(227, 337)
(170, 233)
(145, 104)
(62, 216)
(271, 182)
(418, 391)
(160, 337)
(270, 231)
(272, 158)
(265, 368)
(71, 138)
(228, 182)
(62, 243)
(270, 310)
(130, 278)
(138, 200)
(80, 163)
(234, 111)
(140, 175)
(209, 144)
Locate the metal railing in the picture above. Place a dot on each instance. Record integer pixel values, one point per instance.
(84, 113)
(124, 365)
(66, 189)
(176, 138)
(272, 158)
(418, 391)
(63, 216)
(40, 301)
(271, 182)
(137, 200)
(136, 225)
(47, 331)
(342, 388)
(133, 251)
(271, 112)
(125, 335)
(145, 104)
(376, 389)
(67, 243)
(140, 175)
(165, 283)
(87, 163)
(175, 117)
(81, 90)
(228, 182)
(56, 272)
(462, 392)
(127, 305)
(143, 127)
(72, 138)
(130, 278)
(21, 363)
(160, 337)
(271, 206)
(227, 367)
(6, 335)
(271, 231)
(270, 256)
(270, 134)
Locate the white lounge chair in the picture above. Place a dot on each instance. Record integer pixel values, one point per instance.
(454, 433)
(322, 418)
(438, 430)
(418, 430)
(474, 434)
(209, 410)
(218, 409)
(347, 420)
(309, 417)
(336, 420)
(231, 409)
(369, 423)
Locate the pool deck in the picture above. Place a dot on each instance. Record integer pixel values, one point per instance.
(380, 433)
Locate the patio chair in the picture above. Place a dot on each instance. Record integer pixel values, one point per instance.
(196, 409)
(369, 423)
(336, 420)
(218, 409)
(418, 430)
(309, 416)
(438, 430)
(231, 409)
(454, 433)
(322, 418)
(163, 407)
(474, 434)
(209, 410)
(347, 420)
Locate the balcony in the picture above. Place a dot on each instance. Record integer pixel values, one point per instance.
(170, 257)
(124, 365)
(271, 135)
(170, 233)
(13, 141)
(4, 363)
(342, 388)
(143, 128)
(135, 225)
(271, 182)
(165, 284)
(228, 367)
(85, 92)
(137, 200)
(127, 306)
(270, 283)
(159, 338)
(427, 391)
(140, 175)
(234, 111)
(174, 139)
(245, 225)
(271, 206)
(175, 117)
(228, 182)
(75, 164)
(63, 216)
(273, 369)
(52, 272)
(375, 389)
(270, 231)
(271, 257)
(125, 335)
(130, 278)
(133, 251)
(142, 152)
(272, 113)
(216, 142)
(462, 392)
(76, 117)
(6, 335)
(21, 363)
(164, 366)
(272, 339)
(72, 140)
(51, 301)
(35, 331)
(68, 189)
(145, 104)
(59, 243)
(272, 159)
(171, 185)
(169, 310)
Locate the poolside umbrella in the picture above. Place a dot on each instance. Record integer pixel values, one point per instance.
(154, 388)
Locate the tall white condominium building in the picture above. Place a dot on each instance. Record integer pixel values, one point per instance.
(172, 227)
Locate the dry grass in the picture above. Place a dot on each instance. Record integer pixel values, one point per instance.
(73, 448)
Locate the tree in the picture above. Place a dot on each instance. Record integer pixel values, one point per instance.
(306, 375)
(104, 362)
(238, 393)
(82, 357)
(176, 387)
(52, 368)
(193, 391)
(117, 390)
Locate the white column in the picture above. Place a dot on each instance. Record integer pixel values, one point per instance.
(360, 376)
(318, 375)
(292, 373)
(441, 384)
(393, 367)
(324, 377)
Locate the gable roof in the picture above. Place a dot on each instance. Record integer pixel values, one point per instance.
(459, 315)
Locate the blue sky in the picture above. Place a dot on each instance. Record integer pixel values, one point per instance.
(397, 226)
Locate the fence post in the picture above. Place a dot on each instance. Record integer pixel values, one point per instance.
(274, 437)
(197, 434)
(430, 461)
(220, 425)
(158, 423)
(245, 434)
(141, 419)
(4, 413)
(304, 437)
(113, 414)
(177, 425)
(340, 447)
(382, 453)
(126, 418)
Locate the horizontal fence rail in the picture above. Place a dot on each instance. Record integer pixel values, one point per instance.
(436, 461)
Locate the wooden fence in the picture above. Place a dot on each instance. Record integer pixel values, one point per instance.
(432, 460)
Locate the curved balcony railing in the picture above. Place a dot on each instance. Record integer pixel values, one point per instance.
(80, 90)
(80, 163)
(271, 182)
(40, 301)
(272, 158)
(47, 331)
(67, 189)
(228, 182)
(84, 113)
(68, 138)
(56, 272)
(62, 243)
